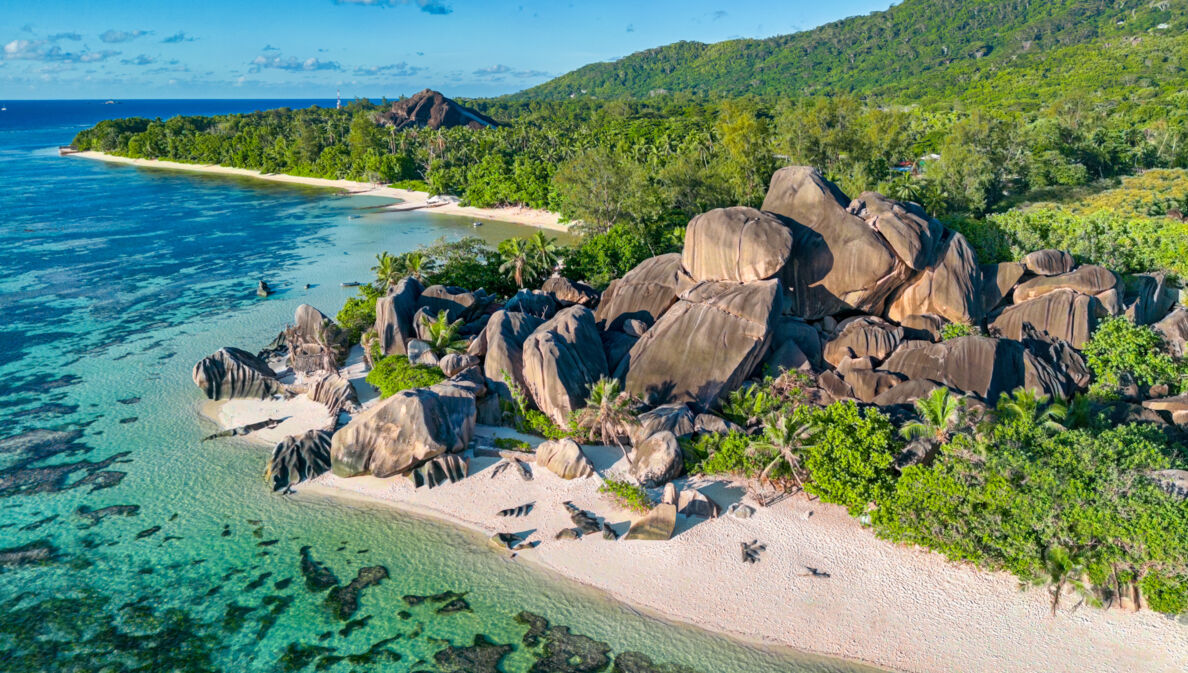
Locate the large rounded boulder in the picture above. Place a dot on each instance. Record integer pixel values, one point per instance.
(643, 293)
(657, 459)
(951, 289)
(705, 345)
(862, 337)
(1088, 279)
(299, 458)
(405, 431)
(504, 348)
(564, 458)
(570, 292)
(1064, 314)
(982, 366)
(232, 373)
(905, 226)
(394, 316)
(839, 262)
(561, 360)
(736, 244)
(1049, 262)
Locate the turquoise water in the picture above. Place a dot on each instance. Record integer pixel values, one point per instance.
(113, 282)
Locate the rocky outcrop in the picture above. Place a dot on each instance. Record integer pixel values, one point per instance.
(906, 393)
(453, 364)
(705, 345)
(839, 262)
(444, 469)
(709, 423)
(562, 359)
(658, 459)
(868, 384)
(569, 293)
(998, 280)
(912, 235)
(335, 392)
(394, 316)
(1049, 262)
(315, 342)
(675, 418)
(864, 336)
(429, 108)
(233, 373)
(736, 244)
(951, 289)
(982, 366)
(1174, 329)
(795, 345)
(299, 458)
(404, 431)
(1066, 363)
(564, 458)
(537, 304)
(458, 303)
(504, 346)
(1089, 279)
(1063, 314)
(643, 293)
(658, 524)
(1149, 297)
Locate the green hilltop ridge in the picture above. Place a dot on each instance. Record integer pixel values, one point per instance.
(1020, 51)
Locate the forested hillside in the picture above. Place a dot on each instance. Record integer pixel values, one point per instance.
(926, 51)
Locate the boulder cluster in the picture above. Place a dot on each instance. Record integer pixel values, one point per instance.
(854, 293)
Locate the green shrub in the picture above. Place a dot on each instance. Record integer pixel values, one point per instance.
(627, 495)
(733, 453)
(747, 405)
(411, 185)
(1119, 347)
(513, 444)
(955, 330)
(850, 457)
(358, 313)
(1166, 595)
(394, 373)
(529, 420)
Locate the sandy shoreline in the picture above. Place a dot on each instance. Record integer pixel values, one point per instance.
(890, 606)
(542, 219)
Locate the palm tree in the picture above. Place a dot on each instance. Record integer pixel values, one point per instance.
(442, 335)
(1062, 569)
(543, 251)
(939, 414)
(788, 439)
(387, 271)
(1033, 410)
(516, 257)
(607, 413)
(416, 264)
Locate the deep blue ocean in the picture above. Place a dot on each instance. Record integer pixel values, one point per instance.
(126, 543)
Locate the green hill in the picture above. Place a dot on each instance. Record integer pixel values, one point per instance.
(922, 51)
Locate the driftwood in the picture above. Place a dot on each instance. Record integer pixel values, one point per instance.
(505, 454)
(246, 429)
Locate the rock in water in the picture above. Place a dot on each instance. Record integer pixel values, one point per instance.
(233, 373)
(504, 339)
(657, 524)
(317, 576)
(262, 289)
(736, 244)
(445, 469)
(568, 292)
(839, 262)
(394, 316)
(315, 342)
(299, 458)
(405, 431)
(562, 359)
(704, 346)
(564, 458)
(643, 293)
(344, 601)
(657, 459)
(481, 657)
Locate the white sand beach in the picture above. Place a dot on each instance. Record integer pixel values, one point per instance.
(542, 219)
(891, 606)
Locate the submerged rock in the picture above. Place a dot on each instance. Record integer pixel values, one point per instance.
(561, 651)
(344, 601)
(317, 576)
(481, 657)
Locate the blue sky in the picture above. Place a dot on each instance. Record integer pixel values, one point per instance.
(309, 48)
